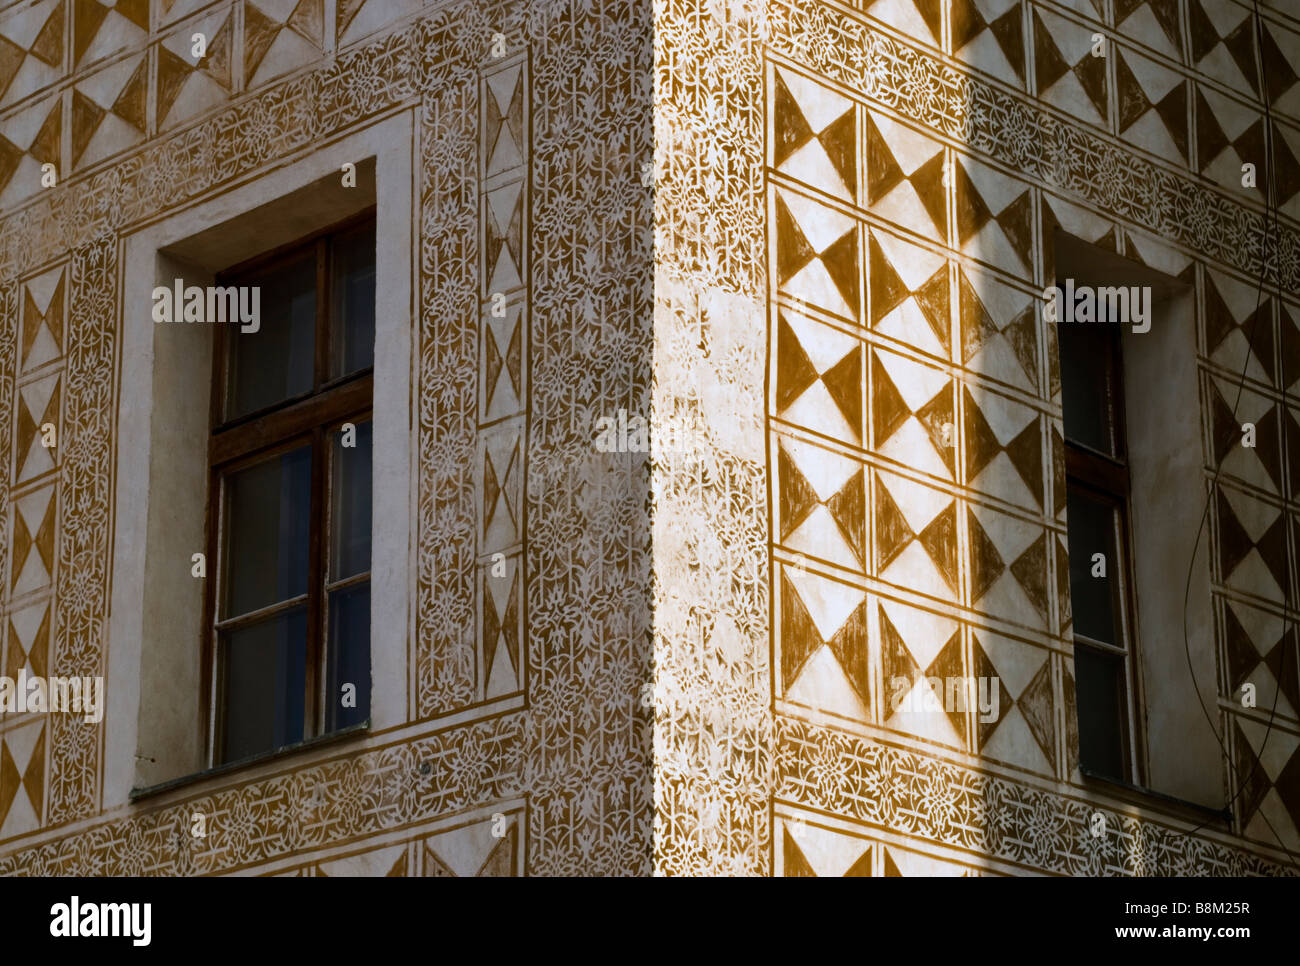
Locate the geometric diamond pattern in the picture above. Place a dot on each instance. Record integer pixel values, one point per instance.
(186, 88)
(38, 404)
(22, 778)
(1152, 105)
(821, 510)
(503, 238)
(1223, 43)
(905, 177)
(43, 308)
(505, 121)
(1232, 322)
(913, 416)
(29, 641)
(1229, 134)
(989, 35)
(473, 851)
(815, 135)
(1267, 775)
(1289, 356)
(917, 18)
(109, 111)
(1156, 23)
(823, 643)
(915, 537)
(31, 50)
(1260, 649)
(30, 138)
(909, 294)
(916, 645)
(1260, 464)
(925, 312)
(1252, 545)
(100, 29)
(1066, 72)
(32, 546)
(502, 486)
(819, 376)
(1004, 447)
(1281, 64)
(280, 35)
(822, 498)
(504, 156)
(810, 850)
(999, 330)
(994, 215)
(357, 18)
(501, 629)
(1008, 566)
(818, 258)
(1024, 731)
(906, 864)
(470, 849)
(504, 351)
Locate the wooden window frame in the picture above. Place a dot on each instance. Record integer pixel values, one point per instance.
(308, 418)
(1107, 476)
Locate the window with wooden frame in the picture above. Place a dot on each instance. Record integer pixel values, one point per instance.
(1101, 587)
(287, 641)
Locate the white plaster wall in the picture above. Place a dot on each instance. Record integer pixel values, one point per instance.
(1168, 499)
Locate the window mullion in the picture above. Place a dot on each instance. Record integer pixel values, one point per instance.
(1096, 471)
(212, 677)
(316, 582)
(296, 419)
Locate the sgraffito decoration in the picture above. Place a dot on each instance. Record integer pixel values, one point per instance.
(528, 176)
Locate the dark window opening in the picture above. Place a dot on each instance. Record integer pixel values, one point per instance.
(1097, 488)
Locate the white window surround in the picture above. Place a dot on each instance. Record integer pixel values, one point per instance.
(154, 708)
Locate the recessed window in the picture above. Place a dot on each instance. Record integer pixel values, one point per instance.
(290, 516)
(1142, 614)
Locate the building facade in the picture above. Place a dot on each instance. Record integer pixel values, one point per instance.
(723, 431)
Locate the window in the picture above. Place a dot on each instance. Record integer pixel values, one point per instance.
(288, 632)
(1135, 467)
(1097, 492)
(162, 699)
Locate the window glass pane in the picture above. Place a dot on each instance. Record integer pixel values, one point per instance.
(1086, 384)
(350, 524)
(265, 667)
(349, 655)
(353, 338)
(1093, 600)
(277, 362)
(1100, 689)
(267, 531)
